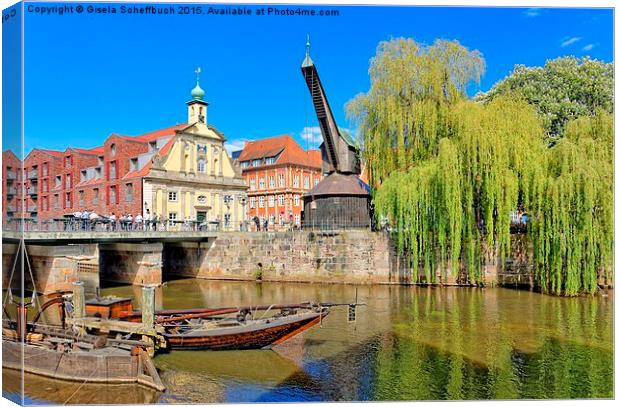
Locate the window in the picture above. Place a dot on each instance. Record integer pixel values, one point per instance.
(297, 218)
(68, 181)
(272, 218)
(112, 150)
(270, 160)
(255, 163)
(245, 164)
(113, 195)
(172, 216)
(46, 185)
(96, 196)
(281, 200)
(152, 145)
(133, 164)
(296, 200)
(201, 165)
(272, 182)
(68, 200)
(252, 184)
(98, 172)
(112, 169)
(56, 201)
(296, 181)
(271, 201)
(67, 161)
(227, 220)
(252, 202)
(261, 183)
(82, 175)
(58, 180)
(306, 182)
(99, 160)
(45, 169)
(129, 193)
(261, 201)
(281, 180)
(172, 196)
(81, 195)
(316, 181)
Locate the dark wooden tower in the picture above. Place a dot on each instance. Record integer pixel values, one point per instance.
(341, 200)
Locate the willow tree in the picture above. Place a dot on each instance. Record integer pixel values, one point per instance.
(447, 172)
(403, 115)
(573, 209)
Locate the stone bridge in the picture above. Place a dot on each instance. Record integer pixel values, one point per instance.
(59, 258)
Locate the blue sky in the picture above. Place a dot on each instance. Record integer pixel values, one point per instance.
(87, 76)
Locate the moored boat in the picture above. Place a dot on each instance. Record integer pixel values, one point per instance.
(240, 333)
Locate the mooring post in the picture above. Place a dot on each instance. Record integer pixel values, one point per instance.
(22, 311)
(148, 307)
(79, 309)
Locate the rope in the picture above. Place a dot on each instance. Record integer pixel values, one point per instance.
(35, 298)
(10, 293)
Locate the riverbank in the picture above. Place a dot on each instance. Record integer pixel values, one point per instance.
(408, 343)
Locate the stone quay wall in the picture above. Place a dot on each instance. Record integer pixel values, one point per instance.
(350, 257)
(334, 257)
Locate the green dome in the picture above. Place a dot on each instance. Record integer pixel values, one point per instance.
(198, 93)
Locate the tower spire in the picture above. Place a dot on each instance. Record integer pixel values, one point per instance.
(197, 92)
(197, 75)
(307, 60)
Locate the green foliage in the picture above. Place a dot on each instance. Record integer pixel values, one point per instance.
(447, 172)
(563, 89)
(573, 237)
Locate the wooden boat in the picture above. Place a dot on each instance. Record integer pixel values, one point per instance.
(239, 333)
(61, 354)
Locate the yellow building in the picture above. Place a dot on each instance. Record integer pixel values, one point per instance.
(192, 177)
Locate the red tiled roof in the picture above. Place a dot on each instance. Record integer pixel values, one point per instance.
(96, 150)
(166, 148)
(139, 173)
(290, 152)
(168, 131)
(147, 167)
(51, 152)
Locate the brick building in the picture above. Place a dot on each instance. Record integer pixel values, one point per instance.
(181, 172)
(278, 172)
(12, 193)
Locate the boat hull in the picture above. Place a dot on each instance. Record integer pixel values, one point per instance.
(260, 335)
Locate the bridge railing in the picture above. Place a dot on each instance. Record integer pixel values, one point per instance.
(106, 225)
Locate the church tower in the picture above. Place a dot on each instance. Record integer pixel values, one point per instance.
(197, 107)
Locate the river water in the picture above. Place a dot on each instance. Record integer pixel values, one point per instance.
(408, 343)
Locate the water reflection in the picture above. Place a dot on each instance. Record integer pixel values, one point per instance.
(409, 343)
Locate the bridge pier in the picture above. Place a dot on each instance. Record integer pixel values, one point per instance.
(185, 259)
(131, 263)
(55, 268)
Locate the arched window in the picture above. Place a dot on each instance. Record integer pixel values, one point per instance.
(112, 150)
(201, 165)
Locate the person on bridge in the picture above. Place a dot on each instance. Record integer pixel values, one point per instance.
(138, 220)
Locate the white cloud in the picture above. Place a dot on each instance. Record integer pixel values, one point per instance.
(588, 47)
(234, 145)
(312, 136)
(533, 12)
(570, 41)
